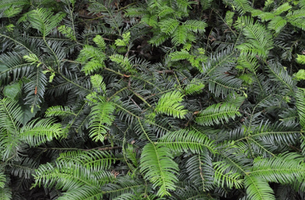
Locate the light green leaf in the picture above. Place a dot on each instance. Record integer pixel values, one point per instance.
(195, 26)
(300, 59)
(38, 132)
(124, 41)
(268, 2)
(151, 20)
(258, 189)
(195, 86)
(67, 31)
(12, 11)
(5, 193)
(282, 8)
(44, 20)
(229, 18)
(169, 104)
(31, 58)
(300, 75)
(159, 168)
(122, 61)
(101, 117)
(185, 140)
(277, 23)
(181, 34)
(99, 41)
(59, 111)
(247, 78)
(2, 178)
(12, 91)
(165, 10)
(180, 55)
(168, 26)
(97, 82)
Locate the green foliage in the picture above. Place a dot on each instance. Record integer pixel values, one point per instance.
(124, 41)
(300, 75)
(195, 86)
(241, 6)
(300, 59)
(43, 20)
(5, 193)
(122, 61)
(258, 189)
(100, 116)
(99, 41)
(229, 18)
(170, 24)
(12, 91)
(300, 104)
(33, 133)
(94, 159)
(184, 140)
(260, 40)
(97, 82)
(59, 111)
(158, 165)
(78, 181)
(93, 59)
(67, 31)
(169, 104)
(156, 99)
(288, 171)
(217, 114)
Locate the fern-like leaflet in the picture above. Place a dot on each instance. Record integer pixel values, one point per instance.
(217, 113)
(169, 104)
(158, 166)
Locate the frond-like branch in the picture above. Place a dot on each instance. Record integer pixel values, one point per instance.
(195, 26)
(101, 116)
(158, 166)
(259, 40)
(217, 114)
(169, 104)
(35, 89)
(122, 61)
(70, 177)
(94, 159)
(10, 115)
(59, 111)
(93, 58)
(43, 20)
(300, 104)
(184, 140)
(258, 189)
(225, 178)
(124, 185)
(168, 26)
(284, 169)
(38, 132)
(242, 6)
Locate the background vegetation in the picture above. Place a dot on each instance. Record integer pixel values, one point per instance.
(152, 99)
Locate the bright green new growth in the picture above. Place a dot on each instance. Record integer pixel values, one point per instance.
(169, 104)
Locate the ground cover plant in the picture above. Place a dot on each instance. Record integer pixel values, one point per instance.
(152, 99)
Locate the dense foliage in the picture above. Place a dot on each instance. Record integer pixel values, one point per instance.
(152, 99)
